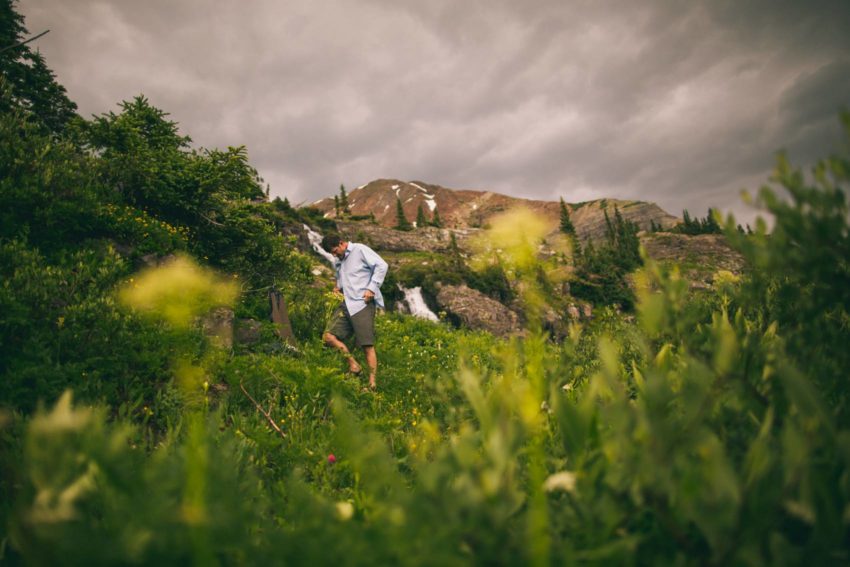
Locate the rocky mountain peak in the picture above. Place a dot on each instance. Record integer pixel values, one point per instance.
(464, 208)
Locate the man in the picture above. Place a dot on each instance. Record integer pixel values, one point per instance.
(359, 275)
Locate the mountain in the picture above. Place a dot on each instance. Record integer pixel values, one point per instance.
(464, 208)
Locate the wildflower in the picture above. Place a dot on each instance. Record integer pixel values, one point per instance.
(345, 510)
(564, 480)
(331, 459)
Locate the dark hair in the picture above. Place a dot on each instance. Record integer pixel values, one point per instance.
(330, 241)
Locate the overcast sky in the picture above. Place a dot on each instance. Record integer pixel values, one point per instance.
(680, 103)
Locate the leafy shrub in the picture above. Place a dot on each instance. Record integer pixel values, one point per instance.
(63, 329)
(136, 227)
(49, 195)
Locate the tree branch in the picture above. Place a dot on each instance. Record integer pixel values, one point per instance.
(262, 411)
(26, 41)
(208, 219)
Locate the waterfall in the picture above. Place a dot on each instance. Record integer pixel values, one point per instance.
(316, 241)
(416, 303)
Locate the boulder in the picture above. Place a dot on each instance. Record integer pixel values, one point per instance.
(247, 331)
(477, 311)
(218, 325)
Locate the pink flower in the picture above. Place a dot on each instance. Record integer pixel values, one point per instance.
(331, 459)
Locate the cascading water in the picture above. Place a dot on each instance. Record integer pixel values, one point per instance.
(316, 242)
(416, 303)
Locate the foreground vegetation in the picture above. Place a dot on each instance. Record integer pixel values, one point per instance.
(711, 429)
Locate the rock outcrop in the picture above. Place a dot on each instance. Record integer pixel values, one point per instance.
(477, 311)
(247, 331)
(218, 326)
(700, 257)
(420, 240)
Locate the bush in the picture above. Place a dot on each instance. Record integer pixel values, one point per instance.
(62, 329)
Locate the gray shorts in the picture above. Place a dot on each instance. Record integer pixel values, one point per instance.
(361, 324)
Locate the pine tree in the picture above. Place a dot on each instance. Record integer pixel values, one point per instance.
(343, 201)
(421, 219)
(692, 226)
(336, 205)
(435, 221)
(566, 224)
(454, 253)
(610, 233)
(620, 225)
(628, 243)
(401, 222)
(33, 85)
(711, 225)
(686, 222)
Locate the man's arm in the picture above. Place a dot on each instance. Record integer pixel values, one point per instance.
(378, 266)
(338, 283)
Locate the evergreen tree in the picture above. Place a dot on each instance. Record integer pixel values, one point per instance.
(628, 243)
(454, 253)
(282, 205)
(610, 233)
(435, 221)
(25, 72)
(421, 219)
(694, 226)
(343, 201)
(566, 224)
(336, 205)
(401, 222)
(687, 226)
(711, 225)
(601, 274)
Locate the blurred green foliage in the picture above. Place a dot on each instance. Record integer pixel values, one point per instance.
(699, 433)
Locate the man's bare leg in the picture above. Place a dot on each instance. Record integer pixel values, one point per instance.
(372, 361)
(331, 341)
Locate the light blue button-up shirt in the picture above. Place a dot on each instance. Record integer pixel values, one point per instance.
(360, 269)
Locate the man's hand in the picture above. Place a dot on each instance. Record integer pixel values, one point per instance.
(368, 296)
(337, 290)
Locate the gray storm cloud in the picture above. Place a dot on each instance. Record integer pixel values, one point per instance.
(679, 103)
